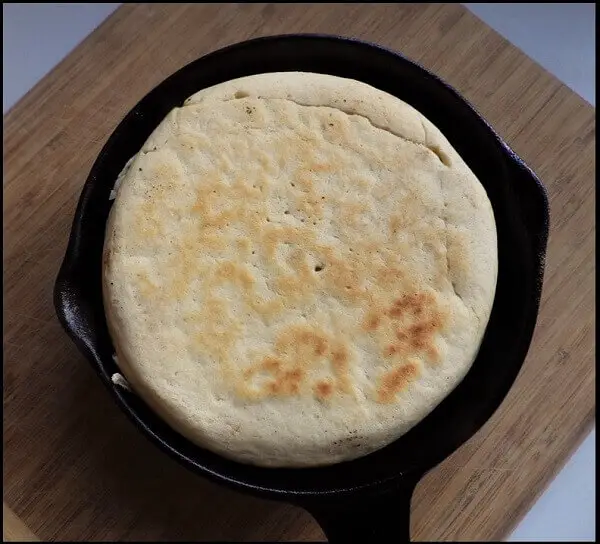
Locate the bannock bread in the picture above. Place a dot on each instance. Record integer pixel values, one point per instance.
(297, 269)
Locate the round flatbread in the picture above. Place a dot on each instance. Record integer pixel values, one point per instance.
(297, 269)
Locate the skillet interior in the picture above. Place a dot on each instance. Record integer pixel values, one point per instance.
(521, 212)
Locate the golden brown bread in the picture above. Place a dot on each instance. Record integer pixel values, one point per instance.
(298, 268)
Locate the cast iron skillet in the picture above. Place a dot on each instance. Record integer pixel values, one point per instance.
(369, 498)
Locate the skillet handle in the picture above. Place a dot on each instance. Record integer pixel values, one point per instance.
(384, 517)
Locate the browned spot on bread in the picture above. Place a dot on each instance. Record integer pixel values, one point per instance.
(229, 271)
(323, 389)
(354, 211)
(243, 245)
(412, 303)
(346, 281)
(286, 382)
(268, 364)
(272, 364)
(310, 207)
(419, 337)
(339, 361)
(395, 223)
(321, 167)
(433, 353)
(320, 346)
(401, 335)
(303, 181)
(389, 275)
(415, 320)
(421, 329)
(395, 380)
(298, 350)
(372, 322)
(302, 344)
(390, 350)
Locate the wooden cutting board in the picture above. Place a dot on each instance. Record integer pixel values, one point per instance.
(76, 469)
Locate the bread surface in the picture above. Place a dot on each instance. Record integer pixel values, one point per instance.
(297, 269)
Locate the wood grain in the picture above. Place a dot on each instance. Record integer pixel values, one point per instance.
(75, 468)
(13, 529)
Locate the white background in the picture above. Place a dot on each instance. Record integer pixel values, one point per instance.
(559, 36)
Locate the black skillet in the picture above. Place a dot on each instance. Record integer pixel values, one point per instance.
(367, 499)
